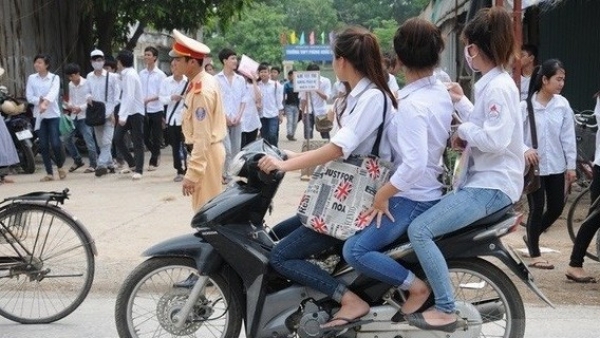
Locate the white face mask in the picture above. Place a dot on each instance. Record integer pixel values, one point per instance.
(97, 65)
(469, 58)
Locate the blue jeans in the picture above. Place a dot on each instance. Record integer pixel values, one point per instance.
(288, 258)
(361, 251)
(104, 136)
(49, 136)
(291, 116)
(454, 211)
(90, 143)
(270, 130)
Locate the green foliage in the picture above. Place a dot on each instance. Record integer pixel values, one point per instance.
(385, 33)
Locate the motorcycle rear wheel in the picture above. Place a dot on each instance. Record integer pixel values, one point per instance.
(26, 158)
(151, 295)
(490, 290)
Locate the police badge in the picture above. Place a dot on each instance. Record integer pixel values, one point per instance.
(200, 114)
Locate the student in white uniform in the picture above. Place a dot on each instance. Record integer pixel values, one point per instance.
(42, 92)
(528, 62)
(357, 60)
(492, 132)
(421, 123)
(556, 154)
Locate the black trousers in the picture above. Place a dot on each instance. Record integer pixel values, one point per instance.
(545, 206)
(589, 228)
(153, 135)
(179, 152)
(135, 124)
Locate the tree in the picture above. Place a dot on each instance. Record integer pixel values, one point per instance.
(69, 29)
(256, 33)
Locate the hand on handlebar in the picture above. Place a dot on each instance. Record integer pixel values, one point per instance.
(269, 163)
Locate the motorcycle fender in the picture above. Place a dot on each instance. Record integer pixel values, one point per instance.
(190, 246)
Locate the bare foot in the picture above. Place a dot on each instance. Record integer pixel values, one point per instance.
(352, 308)
(6, 180)
(418, 294)
(438, 318)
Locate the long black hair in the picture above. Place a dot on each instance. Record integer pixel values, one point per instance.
(547, 69)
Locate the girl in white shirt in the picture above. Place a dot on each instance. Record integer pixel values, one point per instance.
(492, 132)
(250, 119)
(42, 91)
(555, 156)
(357, 60)
(418, 135)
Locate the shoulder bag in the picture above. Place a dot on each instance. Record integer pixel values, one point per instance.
(340, 192)
(95, 114)
(532, 176)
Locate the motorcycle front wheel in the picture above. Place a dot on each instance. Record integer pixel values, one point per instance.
(494, 296)
(26, 158)
(158, 289)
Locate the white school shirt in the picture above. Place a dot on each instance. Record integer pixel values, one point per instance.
(418, 135)
(151, 82)
(555, 129)
(233, 93)
(272, 98)
(315, 103)
(47, 87)
(250, 119)
(492, 129)
(97, 84)
(525, 80)
(393, 83)
(597, 114)
(169, 87)
(78, 95)
(361, 119)
(132, 98)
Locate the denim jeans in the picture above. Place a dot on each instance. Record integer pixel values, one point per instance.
(270, 129)
(291, 116)
(361, 251)
(288, 258)
(454, 211)
(177, 149)
(49, 136)
(88, 137)
(104, 137)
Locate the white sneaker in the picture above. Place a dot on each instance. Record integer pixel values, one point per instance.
(152, 168)
(136, 176)
(125, 171)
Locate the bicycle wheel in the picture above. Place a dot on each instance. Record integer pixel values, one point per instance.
(48, 263)
(577, 214)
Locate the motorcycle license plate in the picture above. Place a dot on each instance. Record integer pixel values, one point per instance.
(24, 135)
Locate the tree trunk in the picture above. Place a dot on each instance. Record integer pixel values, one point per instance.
(29, 27)
(136, 36)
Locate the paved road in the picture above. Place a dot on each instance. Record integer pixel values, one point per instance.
(94, 319)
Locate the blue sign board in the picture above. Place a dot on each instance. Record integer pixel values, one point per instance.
(308, 53)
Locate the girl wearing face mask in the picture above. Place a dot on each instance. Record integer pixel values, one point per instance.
(492, 134)
(555, 156)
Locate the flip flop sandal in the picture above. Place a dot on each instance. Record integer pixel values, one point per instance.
(89, 170)
(429, 302)
(542, 265)
(75, 166)
(582, 280)
(339, 329)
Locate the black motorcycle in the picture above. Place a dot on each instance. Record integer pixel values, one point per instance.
(207, 283)
(18, 118)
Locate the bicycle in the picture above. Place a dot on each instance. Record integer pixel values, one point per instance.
(46, 259)
(585, 121)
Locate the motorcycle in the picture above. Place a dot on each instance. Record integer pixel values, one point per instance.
(205, 284)
(18, 121)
